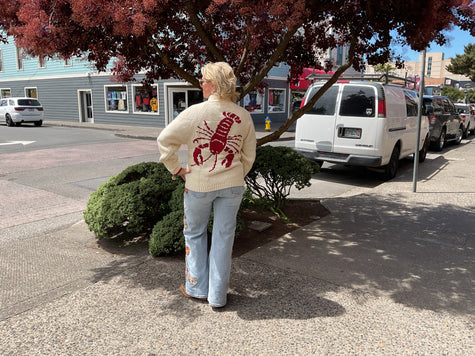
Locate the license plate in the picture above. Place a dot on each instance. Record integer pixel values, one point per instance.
(351, 132)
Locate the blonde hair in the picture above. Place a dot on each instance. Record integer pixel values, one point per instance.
(222, 76)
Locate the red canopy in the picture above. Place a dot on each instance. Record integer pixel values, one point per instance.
(303, 84)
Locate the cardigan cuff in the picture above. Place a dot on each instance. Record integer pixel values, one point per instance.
(177, 173)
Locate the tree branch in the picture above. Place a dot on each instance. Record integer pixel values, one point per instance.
(245, 53)
(203, 34)
(272, 60)
(175, 66)
(285, 126)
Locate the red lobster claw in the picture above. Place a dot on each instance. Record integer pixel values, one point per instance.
(228, 160)
(232, 116)
(197, 156)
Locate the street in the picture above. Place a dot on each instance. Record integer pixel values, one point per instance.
(48, 173)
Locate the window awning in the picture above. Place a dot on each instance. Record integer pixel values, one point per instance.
(303, 83)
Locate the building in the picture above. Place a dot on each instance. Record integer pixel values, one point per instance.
(435, 67)
(71, 90)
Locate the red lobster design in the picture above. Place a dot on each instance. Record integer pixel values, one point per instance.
(219, 141)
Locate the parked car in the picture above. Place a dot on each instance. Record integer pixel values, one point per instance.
(16, 111)
(362, 123)
(445, 123)
(468, 118)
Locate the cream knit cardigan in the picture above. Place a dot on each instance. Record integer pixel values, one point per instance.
(221, 144)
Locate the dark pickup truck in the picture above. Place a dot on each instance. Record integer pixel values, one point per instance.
(445, 123)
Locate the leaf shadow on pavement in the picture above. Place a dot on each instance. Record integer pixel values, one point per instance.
(419, 254)
(257, 291)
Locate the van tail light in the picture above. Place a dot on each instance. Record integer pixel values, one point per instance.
(432, 119)
(19, 109)
(302, 104)
(381, 108)
(39, 109)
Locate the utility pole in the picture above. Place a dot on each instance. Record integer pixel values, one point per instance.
(419, 117)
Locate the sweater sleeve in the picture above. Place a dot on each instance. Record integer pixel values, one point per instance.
(248, 152)
(169, 142)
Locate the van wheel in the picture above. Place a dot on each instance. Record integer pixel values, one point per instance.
(423, 151)
(38, 123)
(466, 133)
(439, 143)
(458, 137)
(9, 120)
(390, 169)
(320, 164)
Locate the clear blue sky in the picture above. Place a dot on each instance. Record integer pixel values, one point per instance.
(457, 40)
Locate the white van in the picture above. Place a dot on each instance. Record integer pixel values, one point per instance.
(362, 123)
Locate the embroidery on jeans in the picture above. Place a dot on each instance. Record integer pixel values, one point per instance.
(191, 279)
(217, 141)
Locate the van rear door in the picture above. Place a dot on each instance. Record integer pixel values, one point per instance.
(356, 127)
(315, 129)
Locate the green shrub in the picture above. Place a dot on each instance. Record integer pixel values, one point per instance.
(167, 235)
(131, 202)
(275, 171)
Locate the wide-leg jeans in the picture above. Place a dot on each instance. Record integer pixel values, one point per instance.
(207, 275)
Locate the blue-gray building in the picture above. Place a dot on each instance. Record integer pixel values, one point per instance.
(72, 90)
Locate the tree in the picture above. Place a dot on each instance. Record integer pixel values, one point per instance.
(172, 39)
(453, 94)
(384, 68)
(464, 64)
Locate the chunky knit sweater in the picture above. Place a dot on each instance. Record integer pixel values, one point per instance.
(221, 144)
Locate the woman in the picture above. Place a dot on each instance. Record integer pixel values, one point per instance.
(221, 150)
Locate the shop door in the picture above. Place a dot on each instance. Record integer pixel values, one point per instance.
(85, 106)
(180, 99)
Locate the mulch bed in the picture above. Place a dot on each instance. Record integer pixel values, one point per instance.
(300, 212)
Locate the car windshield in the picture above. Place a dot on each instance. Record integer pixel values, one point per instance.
(28, 102)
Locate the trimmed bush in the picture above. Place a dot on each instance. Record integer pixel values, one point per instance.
(131, 202)
(167, 235)
(275, 171)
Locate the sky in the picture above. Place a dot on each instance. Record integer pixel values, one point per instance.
(457, 40)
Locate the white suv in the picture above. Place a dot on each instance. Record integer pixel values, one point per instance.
(15, 111)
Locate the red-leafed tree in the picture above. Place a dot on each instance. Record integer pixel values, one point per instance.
(171, 39)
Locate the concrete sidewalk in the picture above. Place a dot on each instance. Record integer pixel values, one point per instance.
(388, 272)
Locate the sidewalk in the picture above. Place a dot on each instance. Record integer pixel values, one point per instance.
(388, 272)
(150, 133)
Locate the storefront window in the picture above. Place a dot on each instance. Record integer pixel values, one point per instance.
(31, 93)
(181, 98)
(276, 100)
(254, 102)
(5, 93)
(145, 99)
(116, 98)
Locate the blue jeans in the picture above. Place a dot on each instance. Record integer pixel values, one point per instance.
(207, 276)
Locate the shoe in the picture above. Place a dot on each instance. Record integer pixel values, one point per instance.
(217, 309)
(183, 291)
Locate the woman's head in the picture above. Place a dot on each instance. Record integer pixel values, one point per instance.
(221, 80)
